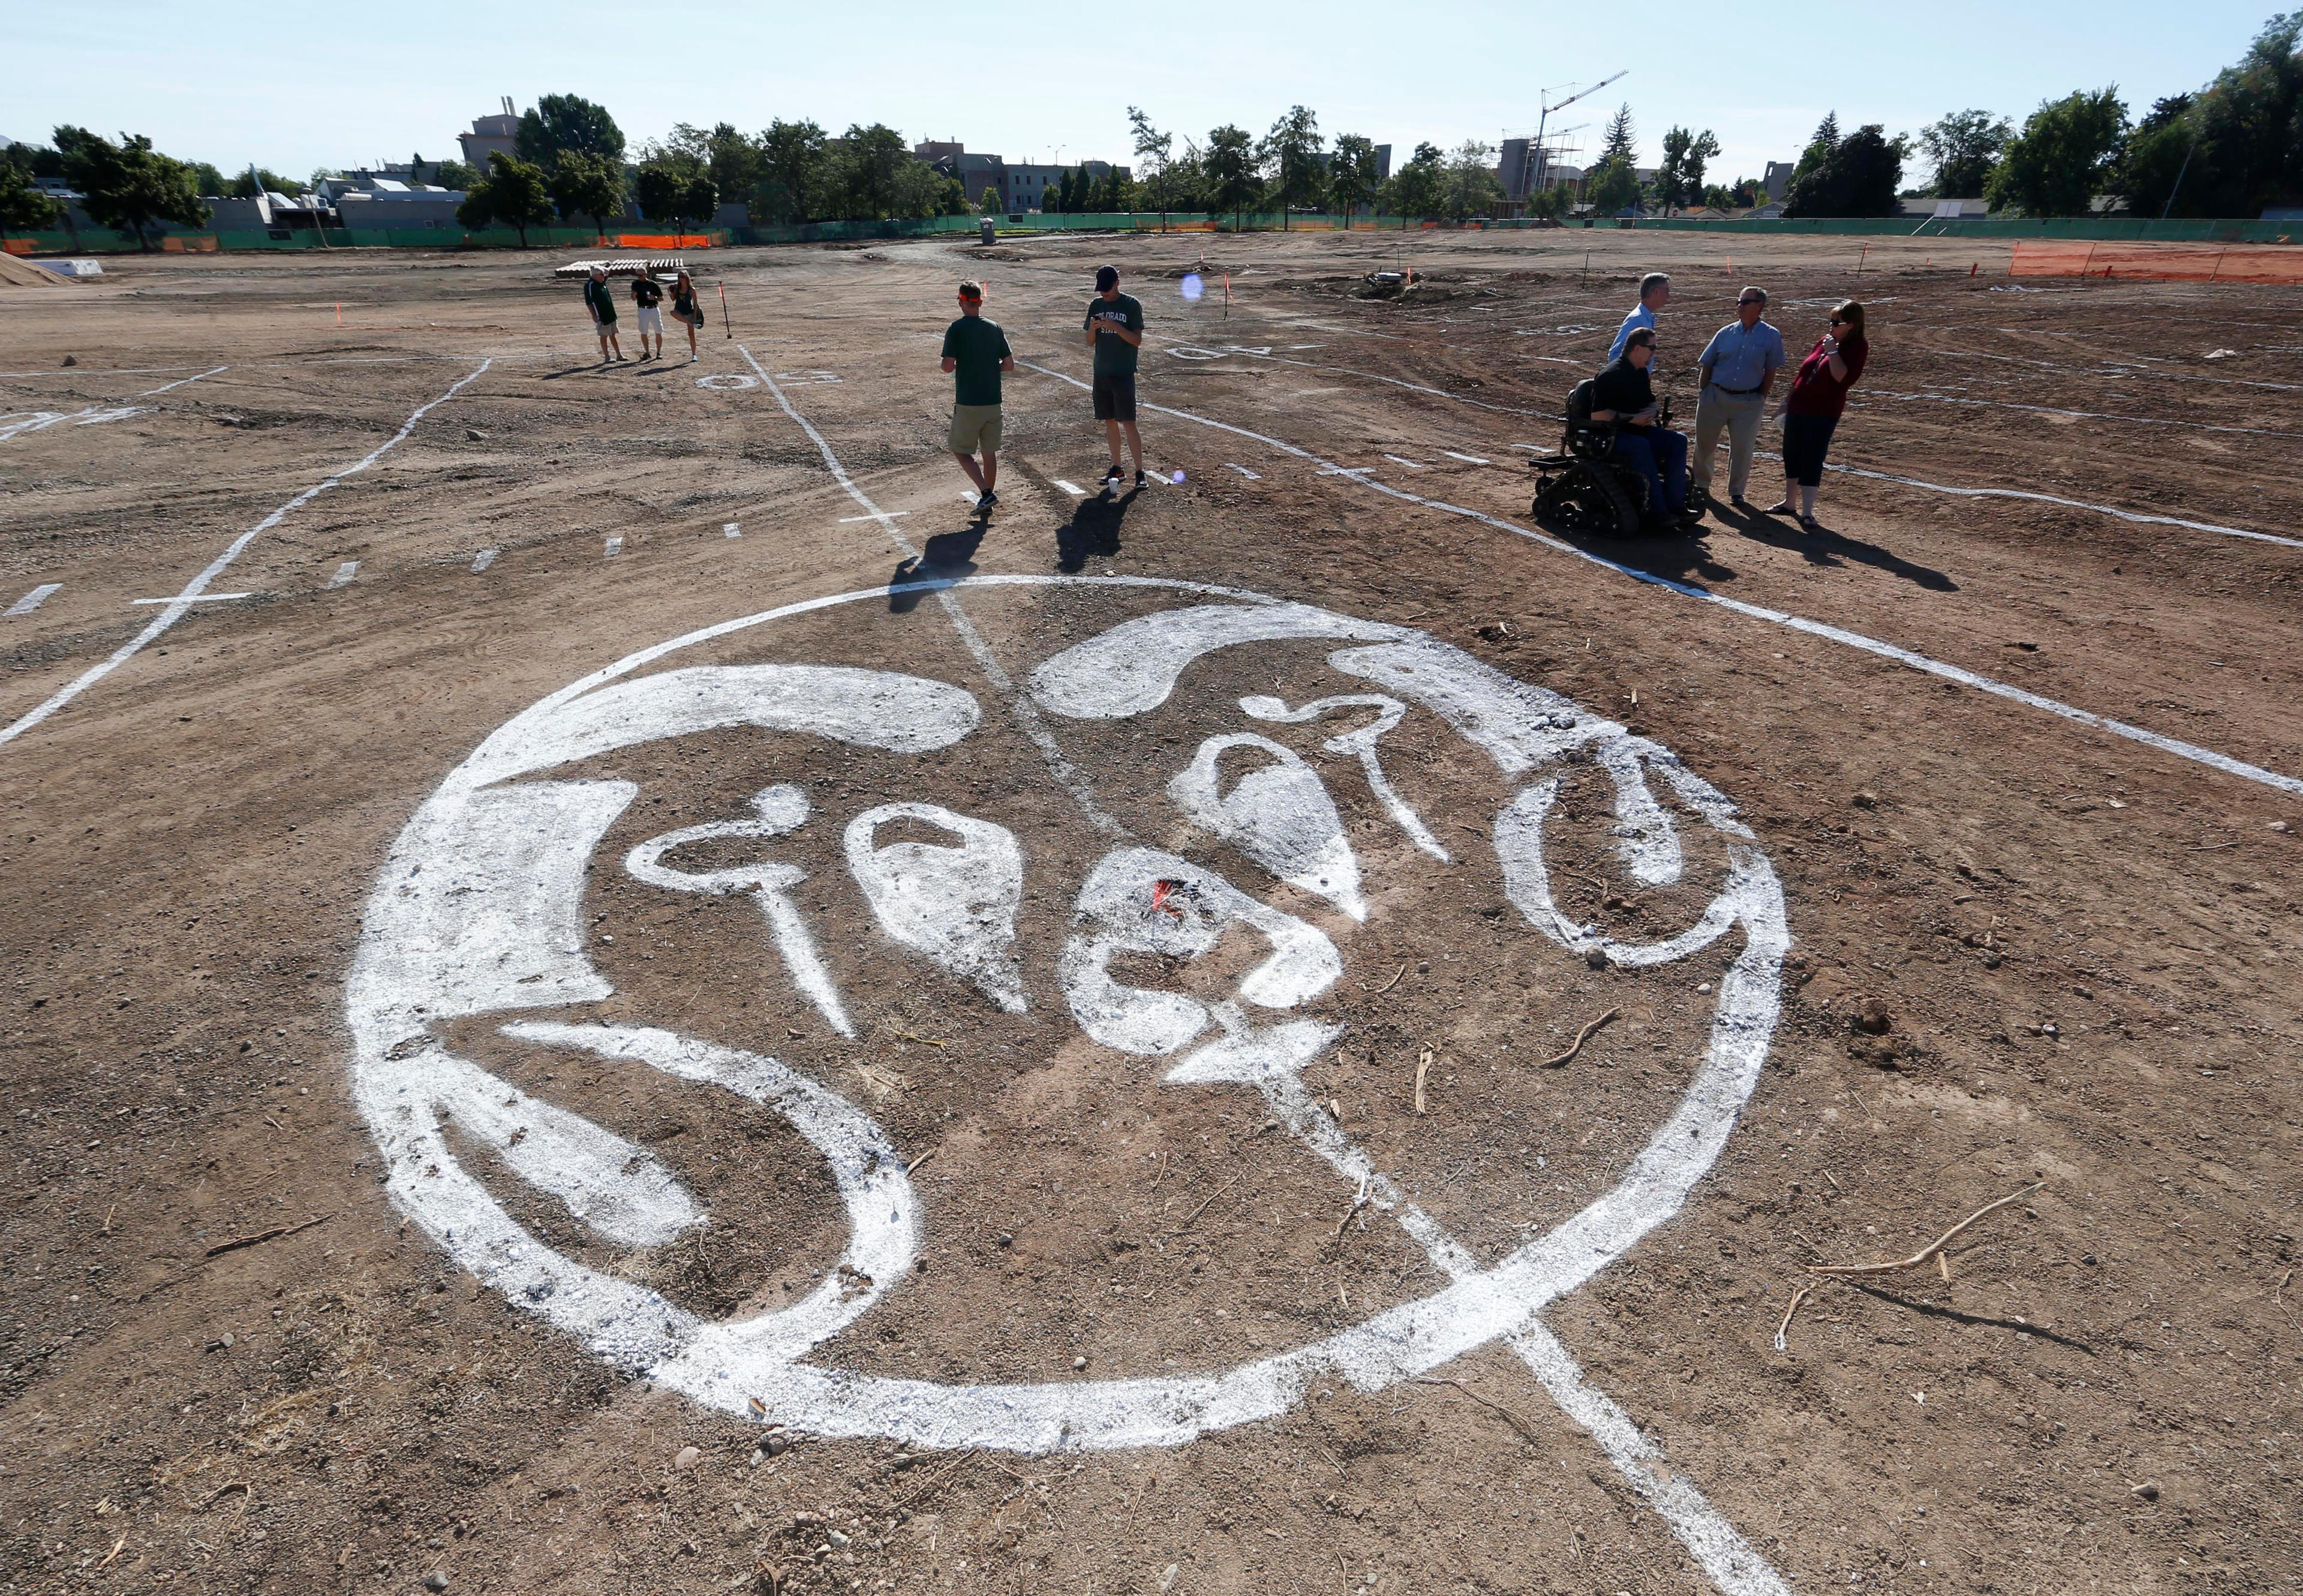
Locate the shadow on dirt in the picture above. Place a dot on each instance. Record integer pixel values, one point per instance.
(1094, 530)
(1828, 548)
(947, 557)
(1677, 557)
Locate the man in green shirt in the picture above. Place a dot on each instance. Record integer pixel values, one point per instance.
(1115, 331)
(975, 353)
(600, 299)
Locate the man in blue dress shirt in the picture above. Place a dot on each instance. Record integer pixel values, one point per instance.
(1739, 366)
(1654, 294)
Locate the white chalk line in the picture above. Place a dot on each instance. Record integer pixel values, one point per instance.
(1890, 651)
(2050, 409)
(1243, 471)
(1027, 715)
(2114, 370)
(180, 605)
(34, 599)
(483, 559)
(193, 598)
(344, 573)
(1400, 460)
(183, 381)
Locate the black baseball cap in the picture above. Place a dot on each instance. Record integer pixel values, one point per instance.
(1106, 277)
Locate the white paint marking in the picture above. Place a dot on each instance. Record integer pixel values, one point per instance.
(1816, 628)
(1469, 460)
(883, 516)
(1401, 461)
(954, 903)
(732, 529)
(2017, 493)
(1027, 717)
(178, 608)
(193, 598)
(2049, 409)
(34, 599)
(1075, 491)
(483, 559)
(615, 546)
(1362, 742)
(728, 380)
(183, 381)
(1243, 471)
(344, 573)
(1280, 814)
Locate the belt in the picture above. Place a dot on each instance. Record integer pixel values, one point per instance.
(1738, 392)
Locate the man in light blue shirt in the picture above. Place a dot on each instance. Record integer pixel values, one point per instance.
(1739, 366)
(1654, 294)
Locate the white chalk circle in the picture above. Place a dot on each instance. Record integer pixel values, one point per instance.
(727, 379)
(478, 911)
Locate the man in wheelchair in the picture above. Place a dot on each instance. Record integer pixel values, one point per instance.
(1620, 469)
(1623, 395)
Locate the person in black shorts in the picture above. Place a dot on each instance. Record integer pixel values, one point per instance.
(686, 312)
(1115, 331)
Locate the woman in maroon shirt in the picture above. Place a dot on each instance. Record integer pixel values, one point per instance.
(1812, 408)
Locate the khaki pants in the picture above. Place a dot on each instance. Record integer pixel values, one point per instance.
(1740, 414)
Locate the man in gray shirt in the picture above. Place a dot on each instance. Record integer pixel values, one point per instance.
(1739, 366)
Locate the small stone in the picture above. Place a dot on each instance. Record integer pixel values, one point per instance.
(435, 1581)
(686, 1456)
(2087, 1258)
(1703, 988)
(1596, 957)
(1423, 967)
(775, 1446)
(71, 360)
(2148, 1491)
(2280, 825)
(1079, 1363)
(227, 421)
(1873, 1019)
(475, 435)
(1006, 1240)
(837, 1537)
(1991, 960)
(1866, 800)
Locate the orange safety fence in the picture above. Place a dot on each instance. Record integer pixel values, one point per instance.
(2166, 263)
(663, 241)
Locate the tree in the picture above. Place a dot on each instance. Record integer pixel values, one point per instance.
(1854, 176)
(1469, 186)
(1233, 183)
(989, 203)
(1418, 188)
(129, 186)
(257, 182)
(559, 123)
(1153, 151)
(731, 158)
(588, 185)
(206, 181)
(2235, 147)
(795, 178)
(22, 208)
(515, 193)
(1964, 146)
(661, 180)
(2067, 153)
(1548, 203)
(452, 175)
(1292, 151)
(1611, 187)
(870, 175)
(1351, 182)
(1617, 144)
(1685, 155)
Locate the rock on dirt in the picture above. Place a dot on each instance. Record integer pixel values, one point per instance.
(1873, 1019)
(685, 1457)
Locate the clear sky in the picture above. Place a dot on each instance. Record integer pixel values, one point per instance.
(301, 87)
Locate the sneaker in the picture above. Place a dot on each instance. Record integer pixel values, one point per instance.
(986, 500)
(692, 359)
(1739, 502)
(1808, 523)
(1113, 474)
(1139, 479)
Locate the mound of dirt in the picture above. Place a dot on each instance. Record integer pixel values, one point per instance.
(24, 273)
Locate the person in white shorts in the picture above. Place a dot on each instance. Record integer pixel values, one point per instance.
(647, 294)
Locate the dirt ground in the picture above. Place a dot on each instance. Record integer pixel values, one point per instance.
(242, 1350)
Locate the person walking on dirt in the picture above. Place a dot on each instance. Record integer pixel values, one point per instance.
(647, 294)
(1654, 294)
(686, 311)
(1812, 408)
(1115, 332)
(975, 353)
(1623, 393)
(1739, 366)
(601, 302)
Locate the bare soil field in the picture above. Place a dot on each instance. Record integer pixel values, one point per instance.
(608, 992)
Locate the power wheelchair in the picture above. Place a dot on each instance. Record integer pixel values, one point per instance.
(1586, 486)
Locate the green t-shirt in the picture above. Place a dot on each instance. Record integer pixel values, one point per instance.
(1115, 356)
(978, 346)
(600, 297)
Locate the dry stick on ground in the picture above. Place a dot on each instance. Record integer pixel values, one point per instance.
(1202, 1208)
(1925, 1254)
(1388, 986)
(1784, 1329)
(258, 1239)
(921, 1159)
(1358, 1203)
(1422, 1068)
(1582, 1037)
(1511, 1418)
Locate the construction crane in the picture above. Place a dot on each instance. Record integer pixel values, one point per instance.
(1542, 157)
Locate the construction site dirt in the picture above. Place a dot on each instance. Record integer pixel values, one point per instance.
(610, 989)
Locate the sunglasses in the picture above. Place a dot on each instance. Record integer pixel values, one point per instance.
(1841, 321)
